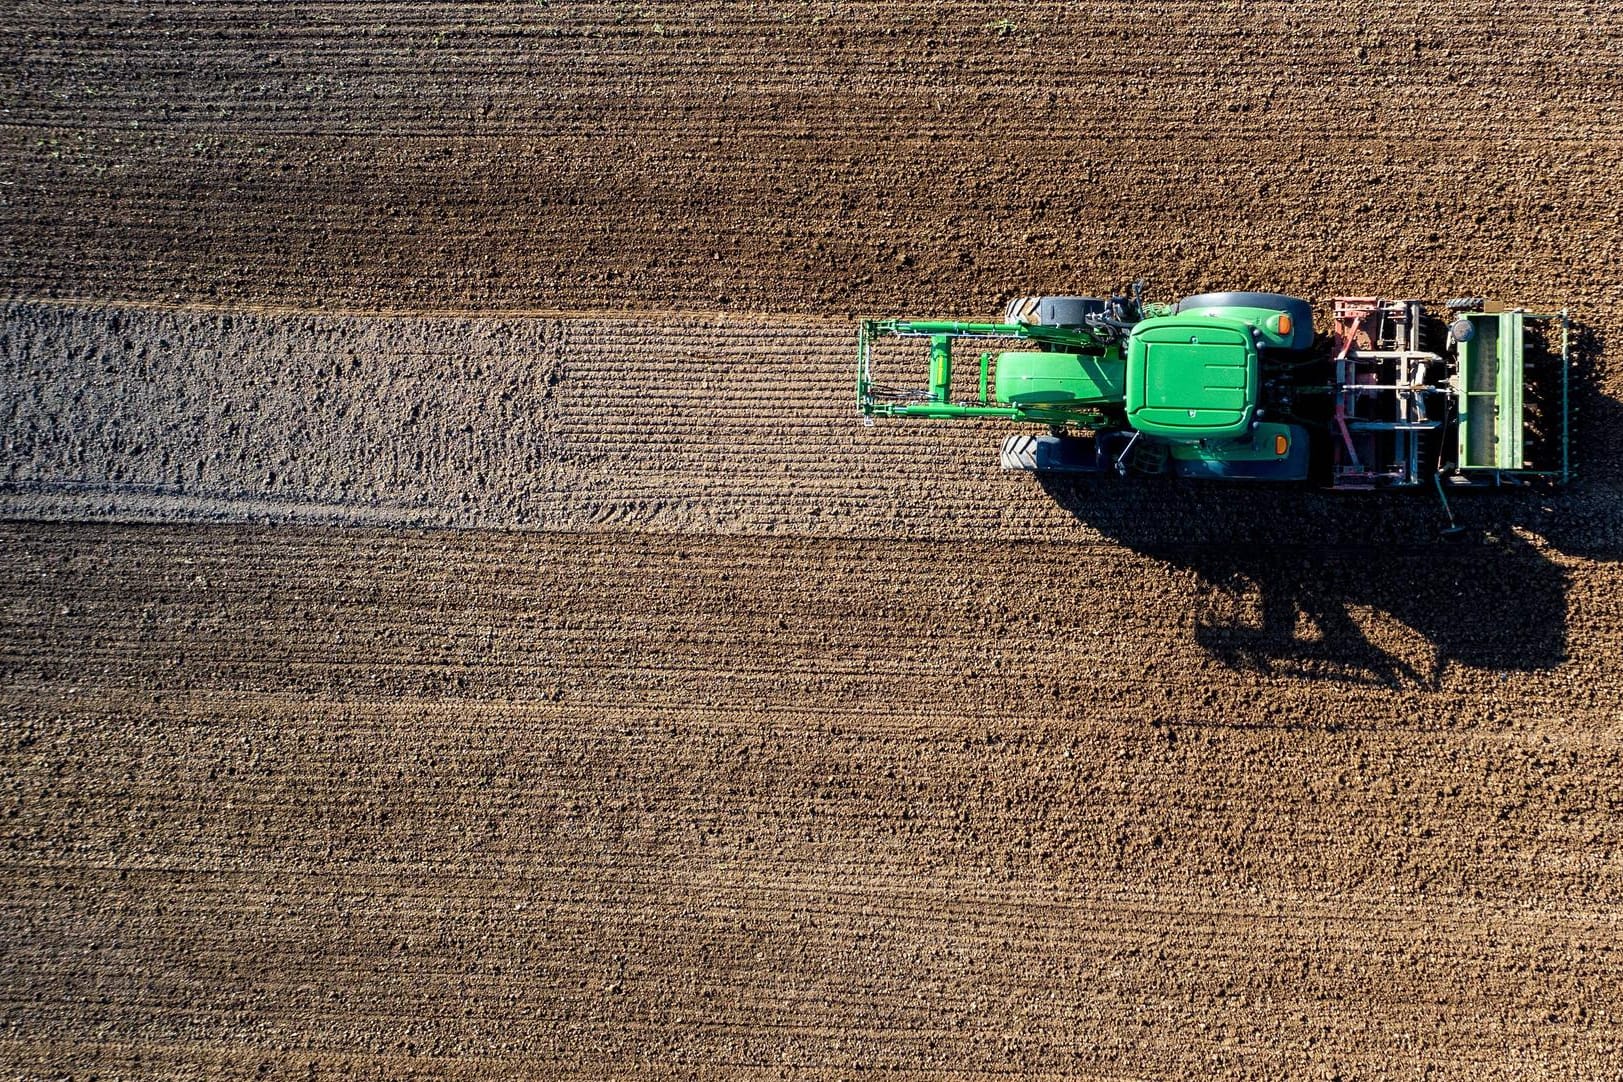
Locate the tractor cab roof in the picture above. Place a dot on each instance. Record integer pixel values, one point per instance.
(1191, 377)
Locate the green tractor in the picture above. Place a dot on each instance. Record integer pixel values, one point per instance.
(1238, 386)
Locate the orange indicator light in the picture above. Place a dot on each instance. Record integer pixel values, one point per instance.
(1281, 445)
(1284, 328)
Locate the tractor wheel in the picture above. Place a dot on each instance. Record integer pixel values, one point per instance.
(1300, 311)
(1019, 453)
(1053, 311)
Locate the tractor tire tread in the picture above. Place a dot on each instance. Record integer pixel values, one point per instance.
(1053, 311)
(1019, 453)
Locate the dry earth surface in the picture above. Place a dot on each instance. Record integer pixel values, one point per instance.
(453, 624)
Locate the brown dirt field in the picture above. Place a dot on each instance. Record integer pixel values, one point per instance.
(721, 736)
(806, 157)
(507, 804)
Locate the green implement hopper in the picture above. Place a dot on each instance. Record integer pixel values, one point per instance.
(1491, 378)
(1512, 383)
(1191, 377)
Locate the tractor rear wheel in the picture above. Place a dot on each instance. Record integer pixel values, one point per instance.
(1300, 311)
(1053, 311)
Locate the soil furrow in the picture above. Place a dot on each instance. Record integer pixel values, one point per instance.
(723, 736)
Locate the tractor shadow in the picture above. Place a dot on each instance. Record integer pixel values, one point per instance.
(1353, 589)
(1365, 588)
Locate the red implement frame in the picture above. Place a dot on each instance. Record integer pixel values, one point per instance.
(1381, 389)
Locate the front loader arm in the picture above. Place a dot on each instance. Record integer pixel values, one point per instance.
(877, 401)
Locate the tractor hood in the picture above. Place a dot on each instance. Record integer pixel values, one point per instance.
(1191, 377)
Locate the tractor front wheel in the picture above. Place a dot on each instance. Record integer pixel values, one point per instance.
(1053, 311)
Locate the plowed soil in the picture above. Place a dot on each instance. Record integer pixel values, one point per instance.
(453, 623)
